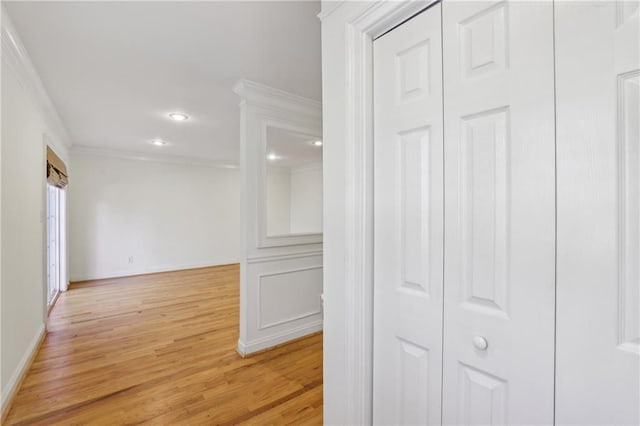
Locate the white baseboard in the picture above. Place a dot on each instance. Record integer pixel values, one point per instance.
(20, 370)
(256, 345)
(75, 277)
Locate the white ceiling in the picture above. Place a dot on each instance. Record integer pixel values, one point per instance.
(292, 149)
(114, 70)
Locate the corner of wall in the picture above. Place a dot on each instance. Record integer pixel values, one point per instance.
(281, 276)
(241, 348)
(37, 117)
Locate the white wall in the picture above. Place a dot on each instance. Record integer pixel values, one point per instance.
(306, 199)
(25, 123)
(280, 276)
(337, 401)
(294, 199)
(278, 200)
(165, 216)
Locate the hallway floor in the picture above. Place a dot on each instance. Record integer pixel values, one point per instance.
(160, 349)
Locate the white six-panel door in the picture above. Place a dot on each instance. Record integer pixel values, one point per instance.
(464, 303)
(408, 223)
(598, 118)
(499, 213)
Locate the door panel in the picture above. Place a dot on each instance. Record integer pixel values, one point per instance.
(408, 208)
(499, 213)
(598, 98)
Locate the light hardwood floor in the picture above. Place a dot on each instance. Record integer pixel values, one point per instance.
(160, 349)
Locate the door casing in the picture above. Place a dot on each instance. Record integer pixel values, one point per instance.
(361, 31)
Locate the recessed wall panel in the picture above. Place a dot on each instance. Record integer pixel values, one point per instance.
(289, 295)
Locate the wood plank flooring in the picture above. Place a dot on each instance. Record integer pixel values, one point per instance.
(160, 349)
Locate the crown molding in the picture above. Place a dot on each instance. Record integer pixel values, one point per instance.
(147, 156)
(328, 7)
(259, 94)
(15, 55)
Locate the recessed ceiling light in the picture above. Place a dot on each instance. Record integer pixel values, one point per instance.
(178, 116)
(317, 143)
(158, 142)
(272, 156)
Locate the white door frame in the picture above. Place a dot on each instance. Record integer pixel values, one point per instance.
(374, 21)
(47, 141)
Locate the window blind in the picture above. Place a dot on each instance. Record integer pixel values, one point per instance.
(56, 170)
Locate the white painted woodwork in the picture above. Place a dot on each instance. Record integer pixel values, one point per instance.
(598, 138)
(348, 30)
(280, 275)
(408, 232)
(289, 295)
(595, 385)
(499, 213)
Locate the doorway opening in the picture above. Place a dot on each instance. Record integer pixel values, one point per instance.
(55, 248)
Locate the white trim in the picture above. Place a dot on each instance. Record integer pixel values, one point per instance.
(44, 220)
(260, 107)
(282, 257)
(266, 107)
(3, 398)
(64, 241)
(15, 54)
(290, 319)
(259, 94)
(246, 348)
(118, 273)
(361, 31)
(328, 7)
(20, 370)
(261, 325)
(151, 157)
(265, 240)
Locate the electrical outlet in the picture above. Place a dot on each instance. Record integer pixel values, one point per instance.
(130, 259)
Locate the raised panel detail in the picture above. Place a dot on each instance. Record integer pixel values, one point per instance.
(414, 216)
(288, 296)
(485, 211)
(629, 211)
(413, 72)
(412, 379)
(482, 397)
(484, 41)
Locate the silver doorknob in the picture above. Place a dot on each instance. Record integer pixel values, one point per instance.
(480, 343)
